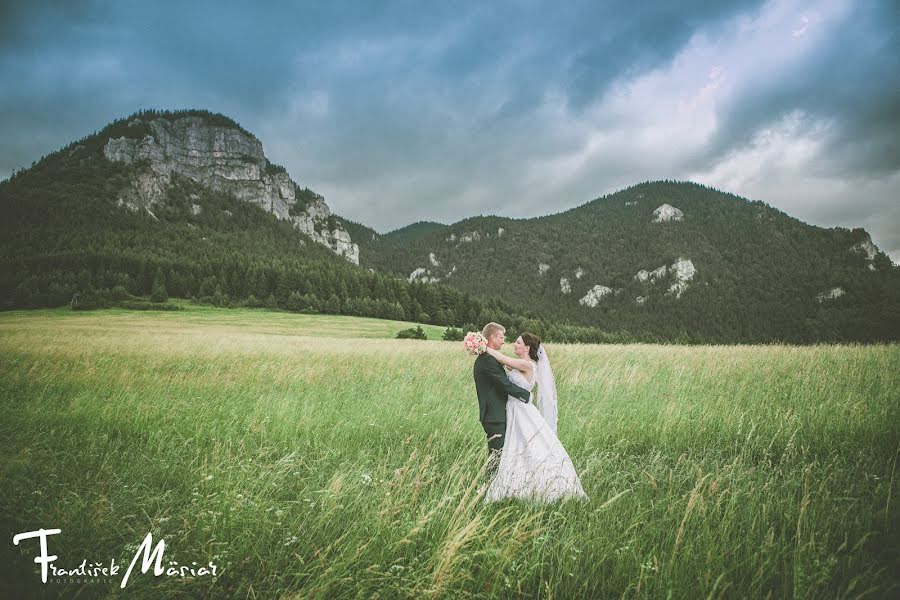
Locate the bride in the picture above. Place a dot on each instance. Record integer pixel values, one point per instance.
(533, 464)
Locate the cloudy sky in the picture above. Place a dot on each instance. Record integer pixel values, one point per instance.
(410, 110)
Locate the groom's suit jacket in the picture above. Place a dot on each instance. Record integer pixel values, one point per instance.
(493, 387)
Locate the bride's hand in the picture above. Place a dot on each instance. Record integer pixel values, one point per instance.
(500, 357)
(492, 352)
(510, 363)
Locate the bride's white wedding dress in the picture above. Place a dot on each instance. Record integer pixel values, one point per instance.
(533, 465)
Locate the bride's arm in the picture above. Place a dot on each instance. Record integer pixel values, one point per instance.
(516, 363)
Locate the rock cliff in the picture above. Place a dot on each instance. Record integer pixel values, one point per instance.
(225, 159)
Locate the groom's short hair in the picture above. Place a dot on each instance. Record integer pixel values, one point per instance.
(492, 328)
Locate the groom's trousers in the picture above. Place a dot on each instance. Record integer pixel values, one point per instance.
(496, 433)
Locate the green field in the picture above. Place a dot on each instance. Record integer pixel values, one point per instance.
(314, 457)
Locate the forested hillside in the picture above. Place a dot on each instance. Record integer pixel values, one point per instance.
(98, 223)
(666, 257)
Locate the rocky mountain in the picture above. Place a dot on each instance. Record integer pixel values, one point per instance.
(671, 257)
(222, 156)
(187, 202)
(185, 205)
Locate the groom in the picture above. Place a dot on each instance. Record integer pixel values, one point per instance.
(493, 387)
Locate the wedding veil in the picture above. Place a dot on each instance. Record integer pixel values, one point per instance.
(546, 392)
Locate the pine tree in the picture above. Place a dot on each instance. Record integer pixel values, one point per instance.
(159, 293)
(333, 305)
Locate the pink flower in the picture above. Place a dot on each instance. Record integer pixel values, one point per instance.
(475, 343)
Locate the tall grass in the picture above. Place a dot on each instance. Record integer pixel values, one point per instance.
(317, 467)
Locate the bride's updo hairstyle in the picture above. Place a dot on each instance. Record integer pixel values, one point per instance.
(533, 342)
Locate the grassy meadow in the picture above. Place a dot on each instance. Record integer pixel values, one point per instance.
(314, 457)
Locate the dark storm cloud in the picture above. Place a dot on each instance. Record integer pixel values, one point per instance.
(401, 110)
(633, 37)
(852, 81)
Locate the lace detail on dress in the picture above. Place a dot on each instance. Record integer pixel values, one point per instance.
(518, 378)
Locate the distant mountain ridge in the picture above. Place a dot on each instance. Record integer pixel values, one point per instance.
(662, 255)
(413, 231)
(189, 198)
(125, 218)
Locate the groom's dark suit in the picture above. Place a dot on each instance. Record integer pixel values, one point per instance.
(493, 388)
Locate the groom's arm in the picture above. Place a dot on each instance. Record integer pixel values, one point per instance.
(498, 377)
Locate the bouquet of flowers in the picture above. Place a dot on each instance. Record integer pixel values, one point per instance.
(475, 343)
